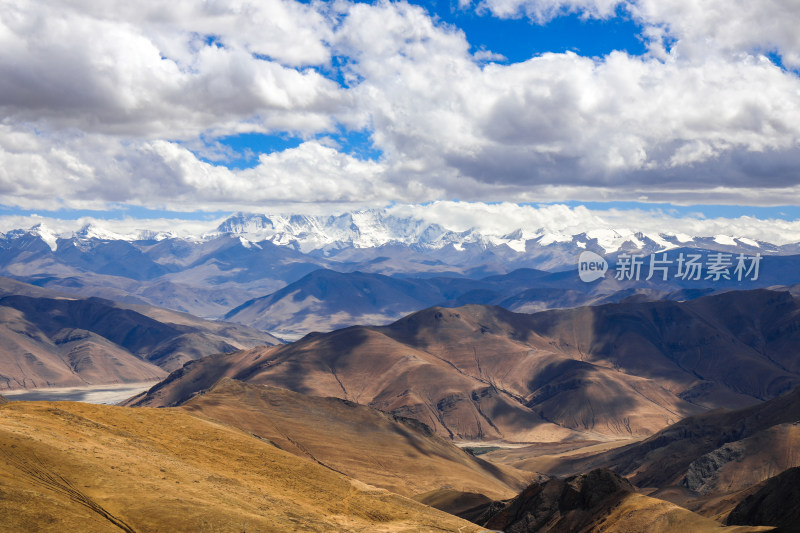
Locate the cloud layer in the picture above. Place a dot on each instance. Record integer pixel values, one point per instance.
(556, 222)
(101, 103)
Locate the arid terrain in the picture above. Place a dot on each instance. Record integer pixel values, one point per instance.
(52, 340)
(77, 467)
(614, 371)
(633, 416)
(400, 266)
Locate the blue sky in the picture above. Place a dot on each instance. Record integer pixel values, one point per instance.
(520, 38)
(516, 39)
(183, 111)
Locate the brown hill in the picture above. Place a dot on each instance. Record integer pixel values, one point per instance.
(366, 366)
(597, 501)
(29, 358)
(723, 350)
(776, 503)
(468, 373)
(93, 468)
(483, 373)
(707, 463)
(397, 454)
(665, 458)
(47, 340)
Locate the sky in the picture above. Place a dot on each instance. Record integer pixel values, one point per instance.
(192, 109)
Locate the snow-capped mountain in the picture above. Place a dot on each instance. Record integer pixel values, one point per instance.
(377, 228)
(372, 228)
(248, 256)
(41, 231)
(361, 229)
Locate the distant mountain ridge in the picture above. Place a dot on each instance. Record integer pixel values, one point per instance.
(251, 256)
(374, 228)
(51, 340)
(325, 299)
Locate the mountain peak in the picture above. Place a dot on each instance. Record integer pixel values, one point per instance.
(40, 230)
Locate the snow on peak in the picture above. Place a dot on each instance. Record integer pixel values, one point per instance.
(725, 240)
(47, 235)
(91, 231)
(470, 227)
(749, 242)
(682, 237)
(365, 228)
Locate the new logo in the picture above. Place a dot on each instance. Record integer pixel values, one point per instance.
(591, 266)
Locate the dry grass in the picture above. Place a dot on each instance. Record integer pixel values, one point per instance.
(640, 514)
(356, 440)
(94, 468)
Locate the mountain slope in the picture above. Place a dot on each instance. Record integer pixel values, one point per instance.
(50, 340)
(599, 501)
(477, 372)
(708, 462)
(689, 440)
(393, 453)
(91, 468)
(30, 358)
(737, 345)
(468, 373)
(325, 300)
(776, 503)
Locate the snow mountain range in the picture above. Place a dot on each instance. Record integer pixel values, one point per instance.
(375, 228)
(292, 274)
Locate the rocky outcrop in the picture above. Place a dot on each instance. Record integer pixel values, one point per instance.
(703, 471)
(561, 504)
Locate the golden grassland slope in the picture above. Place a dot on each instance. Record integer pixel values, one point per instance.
(597, 501)
(400, 455)
(93, 468)
(637, 513)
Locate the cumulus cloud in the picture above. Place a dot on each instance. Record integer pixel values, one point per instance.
(567, 121)
(165, 71)
(697, 29)
(101, 101)
(542, 11)
(504, 218)
(731, 27)
(92, 171)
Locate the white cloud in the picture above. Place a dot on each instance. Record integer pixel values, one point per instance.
(732, 27)
(139, 69)
(128, 227)
(505, 218)
(100, 102)
(562, 121)
(93, 171)
(542, 11)
(699, 29)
